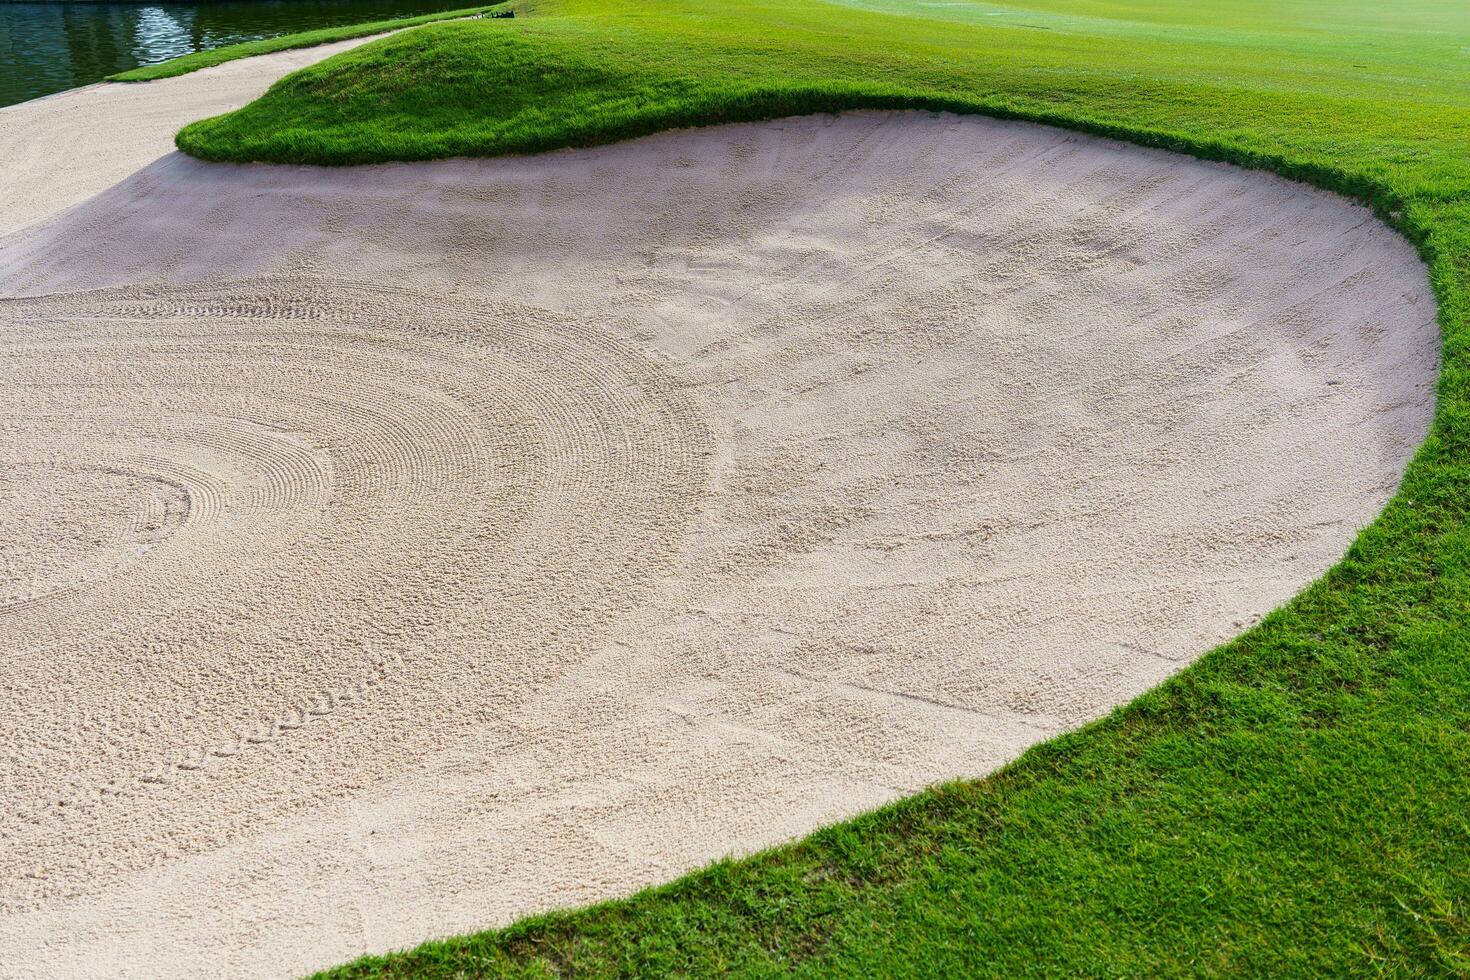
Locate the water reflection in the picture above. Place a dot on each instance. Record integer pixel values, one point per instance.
(48, 47)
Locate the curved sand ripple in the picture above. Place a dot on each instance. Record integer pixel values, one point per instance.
(427, 545)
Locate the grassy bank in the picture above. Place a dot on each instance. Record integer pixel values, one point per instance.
(1294, 803)
(305, 39)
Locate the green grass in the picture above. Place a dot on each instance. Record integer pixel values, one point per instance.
(306, 39)
(1296, 802)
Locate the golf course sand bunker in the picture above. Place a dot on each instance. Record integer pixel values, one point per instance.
(394, 551)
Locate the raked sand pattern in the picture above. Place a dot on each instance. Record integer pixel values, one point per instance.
(394, 551)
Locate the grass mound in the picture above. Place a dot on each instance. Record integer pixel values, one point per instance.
(1294, 803)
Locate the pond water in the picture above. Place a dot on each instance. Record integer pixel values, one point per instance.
(48, 47)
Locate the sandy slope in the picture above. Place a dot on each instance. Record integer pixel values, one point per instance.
(420, 546)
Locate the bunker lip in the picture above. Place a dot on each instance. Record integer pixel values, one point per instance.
(490, 536)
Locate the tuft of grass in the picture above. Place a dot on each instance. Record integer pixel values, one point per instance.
(184, 64)
(1292, 804)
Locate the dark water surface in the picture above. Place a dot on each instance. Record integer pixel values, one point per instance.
(48, 47)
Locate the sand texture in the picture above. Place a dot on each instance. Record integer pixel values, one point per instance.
(395, 551)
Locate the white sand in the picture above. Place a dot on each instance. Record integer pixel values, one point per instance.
(422, 546)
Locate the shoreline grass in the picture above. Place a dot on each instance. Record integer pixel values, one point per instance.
(1295, 803)
(184, 64)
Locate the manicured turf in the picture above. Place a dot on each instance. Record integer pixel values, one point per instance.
(305, 39)
(1296, 802)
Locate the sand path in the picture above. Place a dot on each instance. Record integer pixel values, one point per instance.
(395, 551)
(60, 150)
